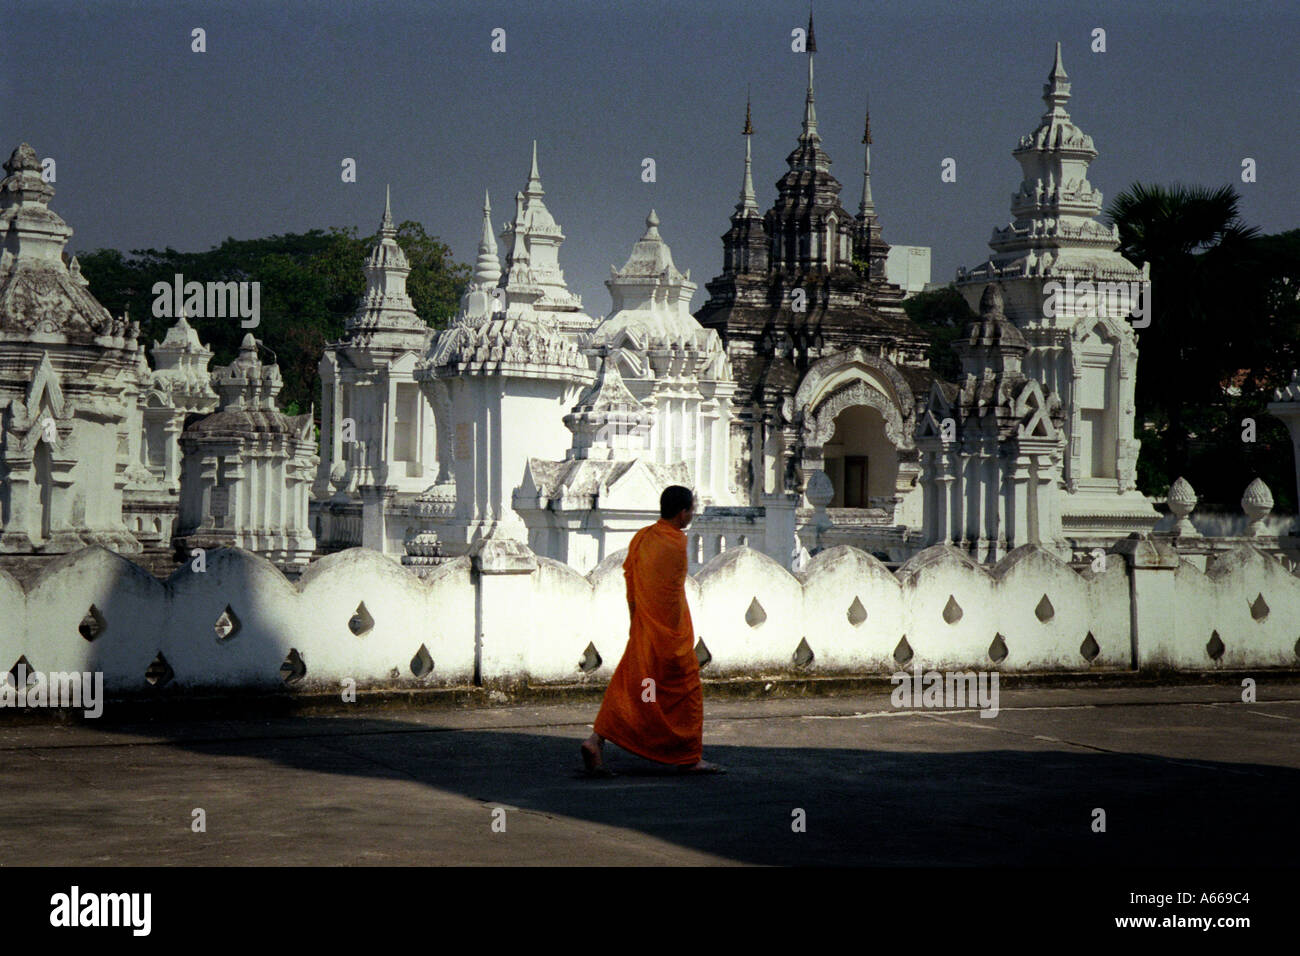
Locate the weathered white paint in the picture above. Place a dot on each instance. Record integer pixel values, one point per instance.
(533, 618)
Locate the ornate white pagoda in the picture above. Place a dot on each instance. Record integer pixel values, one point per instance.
(378, 434)
(533, 272)
(991, 447)
(1081, 344)
(69, 384)
(501, 377)
(671, 363)
(248, 467)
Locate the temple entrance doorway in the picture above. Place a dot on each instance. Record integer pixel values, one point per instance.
(860, 460)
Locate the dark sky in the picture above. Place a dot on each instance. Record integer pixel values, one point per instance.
(158, 146)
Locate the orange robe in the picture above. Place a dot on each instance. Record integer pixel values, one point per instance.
(660, 646)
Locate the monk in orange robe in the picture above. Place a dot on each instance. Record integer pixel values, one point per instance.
(654, 704)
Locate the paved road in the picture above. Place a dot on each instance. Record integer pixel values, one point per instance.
(1186, 775)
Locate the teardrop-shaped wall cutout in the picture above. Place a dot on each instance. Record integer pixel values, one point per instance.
(857, 613)
(1090, 649)
(159, 672)
(422, 662)
(1259, 608)
(702, 653)
(755, 615)
(227, 625)
(903, 652)
(590, 659)
(1044, 612)
(294, 668)
(92, 625)
(952, 610)
(361, 622)
(1215, 646)
(803, 654)
(28, 672)
(998, 649)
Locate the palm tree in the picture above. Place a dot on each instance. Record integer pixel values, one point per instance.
(1198, 248)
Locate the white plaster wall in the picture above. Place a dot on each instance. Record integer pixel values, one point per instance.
(131, 601)
(266, 605)
(13, 618)
(559, 624)
(1220, 599)
(728, 585)
(536, 626)
(833, 579)
(333, 588)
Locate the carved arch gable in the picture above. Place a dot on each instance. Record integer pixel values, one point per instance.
(819, 423)
(823, 371)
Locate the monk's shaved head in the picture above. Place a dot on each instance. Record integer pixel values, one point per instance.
(674, 500)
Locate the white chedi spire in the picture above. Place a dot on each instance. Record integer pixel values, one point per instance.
(386, 310)
(534, 189)
(480, 301)
(487, 269)
(1056, 91)
(810, 133)
(651, 300)
(1055, 227)
(386, 227)
(533, 278)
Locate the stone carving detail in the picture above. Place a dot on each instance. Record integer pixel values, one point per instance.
(819, 425)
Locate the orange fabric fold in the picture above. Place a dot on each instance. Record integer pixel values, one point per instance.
(663, 721)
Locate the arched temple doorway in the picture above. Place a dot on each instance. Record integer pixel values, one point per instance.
(860, 460)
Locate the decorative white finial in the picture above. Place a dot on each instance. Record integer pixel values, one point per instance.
(1182, 499)
(1056, 91)
(534, 177)
(487, 270)
(1257, 502)
(386, 224)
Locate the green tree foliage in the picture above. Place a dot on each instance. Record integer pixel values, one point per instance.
(1223, 335)
(943, 315)
(310, 283)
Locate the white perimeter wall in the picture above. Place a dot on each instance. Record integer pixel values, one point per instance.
(748, 610)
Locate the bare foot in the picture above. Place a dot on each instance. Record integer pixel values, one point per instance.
(702, 766)
(592, 750)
